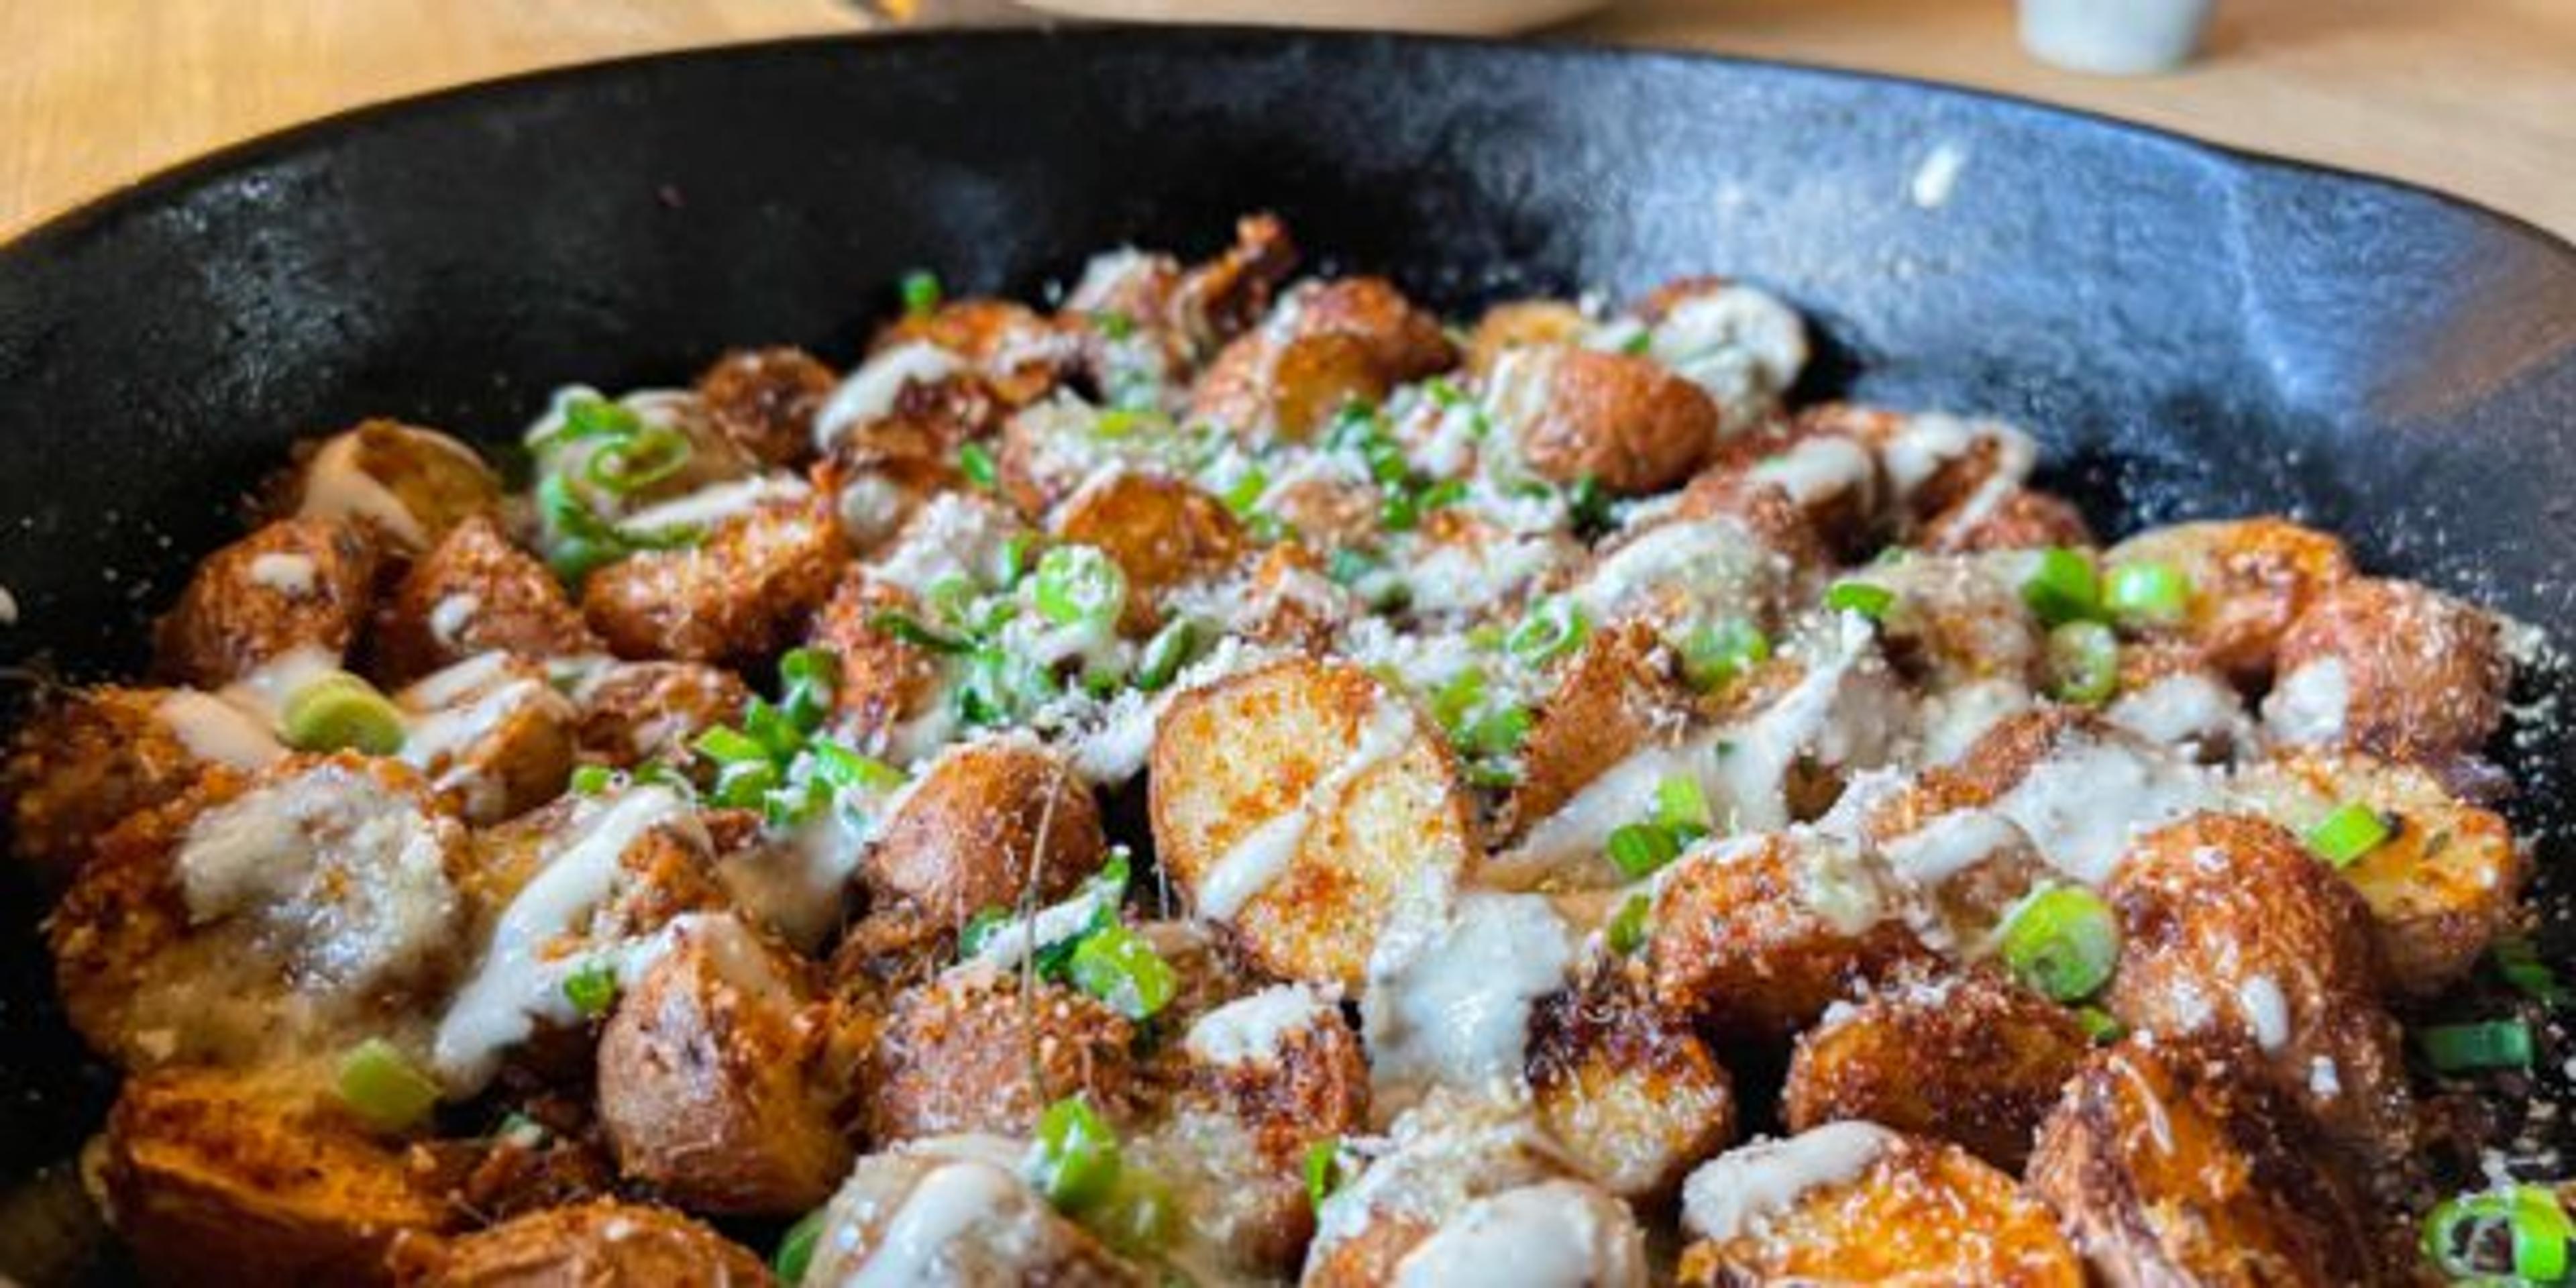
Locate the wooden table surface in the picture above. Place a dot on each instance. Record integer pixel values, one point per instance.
(2474, 96)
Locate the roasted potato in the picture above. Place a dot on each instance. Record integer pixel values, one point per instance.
(1290, 604)
(1854, 1203)
(1516, 324)
(993, 824)
(261, 918)
(299, 586)
(601, 1243)
(1267, 388)
(1757, 935)
(1300, 803)
(86, 759)
(2441, 887)
(989, 1226)
(1959, 619)
(2229, 925)
(1402, 342)
(1632, 1095)
(2390, 667)
(405, 485)
(1974, 1060)
(2006, 518)
(1019, 354)
(1221, 297)
(883, 681)
(1833, 481)
(2170, 697)
(981, 1050)
(2250, 579)
(765, 400)
(1442, 1157)
(1625, 422)
(1160, 531)
(1615, 696)
(2165, 1167)
(1740, 344)
(633, 712)
(741, 595)
(1933, 463)
(494, 737)
(1282, 1064)
(211, 1178)
(708, 1081)
(474, 593)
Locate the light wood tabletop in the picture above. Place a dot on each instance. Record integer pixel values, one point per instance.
(2474, 96)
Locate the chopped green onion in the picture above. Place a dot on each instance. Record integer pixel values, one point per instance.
(729, 746)
(1323, 1170)
(1682, 808)
(1398, 510)
(592, 988)
(807, 678)
(1638, 850)
(1443, 393)
(746, 784)
(1171, 649)
(1713, 656)
(1458, 695)
(1077, 1155)
(2353, 830)
(771, 727)
(2147, 594)
(1245, 492)
(381, 1085)
(980, 929)
(1114, 324)
(1015, 559)
(1117, 966)
(2063, 587)
(912, 630)
(592, 416)
(2518, 960)
(2489, 1044)
(975, 461)
(1554, 627)
(1498, 732)
(921, 293)
(1079, 584)
(1867, 599)
(592, 780)
(632, 462)
(1628, 929)
(1443, 494)
(339, 711)
(1587, 504)
(851, 771)
(2100, 1025)
(1493, 775)
(2083, 663)
(796, 1248)
(1639, 343)
(2062, 942)
(2464, 1236)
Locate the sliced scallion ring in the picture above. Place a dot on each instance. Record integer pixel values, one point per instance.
(1554, 627)
(2343, 837)
(1077, 1160)
(2063, 587)
(382, 1086)
(2083, 661)
(1117, 966)
(340, 712)
(2147, 594)
(1638, 850)
(2062, 941)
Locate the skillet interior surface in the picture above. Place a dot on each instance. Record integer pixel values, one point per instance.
(2189, 331)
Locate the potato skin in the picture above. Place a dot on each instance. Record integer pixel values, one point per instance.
(493, 735)
(740, 596)
(1160, 531)
(990, 824)
(882, 681)
(1010, 1235)
(1633, 1095)
(1974, 1060)
(2167, 1168)
(1610, 700)
(1313, 1085)
(429, 482)
(765, 400)
(957, 1054)
(1624, 421)
(1229, 758)
(2229, 924)
(1020, 356)
(2019, 518)
(602, 1242)
(1515, 324)
(632, 712)
(1269, 388)
(1925, 1213)
(1736, 944)
(213, 1179)
(2443, 886)
(295, 584)
(2250, 579)
(86, 760)
(2424, 675)
(499, 597)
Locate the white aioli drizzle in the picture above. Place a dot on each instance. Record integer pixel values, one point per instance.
(1259, 857)
(1739, 1192)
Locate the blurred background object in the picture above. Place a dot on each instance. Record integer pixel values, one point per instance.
(1461, 17)
(2477, 97)
(2114, 37)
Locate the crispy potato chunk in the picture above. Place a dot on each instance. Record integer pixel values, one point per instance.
(741, 595)
(765, 400)
(1161, 531)
(1516, 324)
(213, 1179)
(1447, 1154)
(632, 712)
(990, 1226)
(1623, 421)
(2230, 926)
(1759, 934)
(2441, 887)
(1616, 695)
(297, 584)
(883, 681)
(1631, 1094)
(474, 592)
(1020, 355)
(979, 1050)
(706, 1079)
(604, 1242)
(260, 918)
(2167, 1169)
(1959, 619)
(1933, 463)
(1973, 1060)
(2250, 579)
(1866, 1205)
(493, 735)
(990, 824)
(2009, 518)
(87, 759)
(1285, 389)
(1402, 342)
(1299, 803)
(403, 484)
(2393, 668)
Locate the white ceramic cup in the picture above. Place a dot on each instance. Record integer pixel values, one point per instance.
(2114, 37)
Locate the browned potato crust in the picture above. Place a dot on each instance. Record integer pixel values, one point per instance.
(1018, 353)
(1220, 298)
(493, 734)
(1312, 1085)
(1633, 1095)
(1611, 699)
(1924, 1214)
(1975, 1060)
(1264, 387)
(765, 400)
(990, 824)
(2423, 675)
(1765, 510)
(2020, 518)
(997, 1229)
(1949, 481)
(1517, 324)
(883, 680)
(2250, 579)
(1622, 420)
(295, 584)
(984, 1051)
(742, 595)
(2168, 1169)
(1402, 342)
(84, 761)
(632, 712)
(212, 1179)
(2440, 889)
(404, 484)
(2230, 925)
(1162, 532)
(707, 1079)
(472, 593)
(1380, 802)
(600, 1243)
(1736, 943)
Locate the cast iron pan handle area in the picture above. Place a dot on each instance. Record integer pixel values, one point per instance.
(2189, 330)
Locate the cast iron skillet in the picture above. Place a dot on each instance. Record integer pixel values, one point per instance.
(2189, 330)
